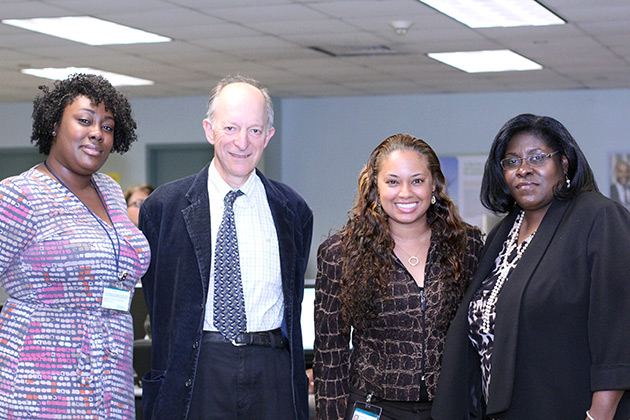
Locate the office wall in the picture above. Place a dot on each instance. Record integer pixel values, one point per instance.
(167, 120)
(159, 121)
(328, 140)
(322, 143)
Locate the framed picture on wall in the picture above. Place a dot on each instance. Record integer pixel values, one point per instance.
(620, 177)
(463, 175)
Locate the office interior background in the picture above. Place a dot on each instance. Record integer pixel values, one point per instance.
(341, 77)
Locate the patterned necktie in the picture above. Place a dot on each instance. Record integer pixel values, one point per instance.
(229, 304)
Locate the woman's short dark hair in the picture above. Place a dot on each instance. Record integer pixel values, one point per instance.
(495, 194)
(48, 108)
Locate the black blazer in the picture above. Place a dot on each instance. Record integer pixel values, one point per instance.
(562, 325)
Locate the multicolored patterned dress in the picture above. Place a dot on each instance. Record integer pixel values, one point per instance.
(62, 355)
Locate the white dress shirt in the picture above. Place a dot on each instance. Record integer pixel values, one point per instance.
(258, 252)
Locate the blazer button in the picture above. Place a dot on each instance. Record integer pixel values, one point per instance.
(195, 344)
(188, 383)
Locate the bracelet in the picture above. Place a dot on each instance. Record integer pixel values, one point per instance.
(589, 415)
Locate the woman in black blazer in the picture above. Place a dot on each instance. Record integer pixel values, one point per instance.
(544, 329)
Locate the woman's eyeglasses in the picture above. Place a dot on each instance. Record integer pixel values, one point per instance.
(537, 159)
(136, 203)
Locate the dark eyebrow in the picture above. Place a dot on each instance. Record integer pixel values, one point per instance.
(527, 152)
(91, 111)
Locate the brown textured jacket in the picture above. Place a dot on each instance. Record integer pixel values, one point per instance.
(387, 354)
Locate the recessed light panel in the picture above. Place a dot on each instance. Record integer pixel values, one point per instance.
(87, 30)
(486, 61)
(62, 73)
(496, 13)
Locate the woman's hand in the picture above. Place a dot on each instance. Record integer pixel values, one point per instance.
(604, 405)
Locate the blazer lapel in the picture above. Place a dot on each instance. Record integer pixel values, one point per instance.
(197, 219)
(509, 305)
(284, 221)
(489, 254)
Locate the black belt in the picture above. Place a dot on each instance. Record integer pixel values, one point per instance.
(273, 339)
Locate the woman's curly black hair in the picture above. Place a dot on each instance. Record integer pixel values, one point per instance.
(48, 108)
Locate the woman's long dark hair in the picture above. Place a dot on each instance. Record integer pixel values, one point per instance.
(368, 246)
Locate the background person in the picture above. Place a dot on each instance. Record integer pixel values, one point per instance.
(197, 371)
(542, 332)
(620, 189)
(135, 196)
(395, 273)
(69, 260)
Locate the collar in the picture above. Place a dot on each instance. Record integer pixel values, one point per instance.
(218, 185)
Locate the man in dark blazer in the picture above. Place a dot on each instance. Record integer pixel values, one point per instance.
(197, 373)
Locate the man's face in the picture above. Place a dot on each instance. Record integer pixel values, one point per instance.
(238, 132)
(622, 171)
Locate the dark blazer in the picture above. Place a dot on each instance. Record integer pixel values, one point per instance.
(562, 320)
(176, 221)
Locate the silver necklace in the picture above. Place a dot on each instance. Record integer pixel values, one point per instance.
(413, 260)
(504, 269)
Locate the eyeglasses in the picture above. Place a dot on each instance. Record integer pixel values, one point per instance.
(538, 159)
(136, 203)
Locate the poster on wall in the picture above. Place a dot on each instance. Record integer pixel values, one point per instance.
(620, 177)
(463, 178)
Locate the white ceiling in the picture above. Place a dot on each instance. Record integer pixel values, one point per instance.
(270, 40)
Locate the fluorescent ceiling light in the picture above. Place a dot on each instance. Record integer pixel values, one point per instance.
(496, 13)
(62, 73)
(87, 30)
(486, 61)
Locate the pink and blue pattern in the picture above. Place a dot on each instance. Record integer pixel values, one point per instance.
(62, 356)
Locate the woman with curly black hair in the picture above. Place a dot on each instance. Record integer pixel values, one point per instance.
(69, 261)
(393, 276)
(49, 107)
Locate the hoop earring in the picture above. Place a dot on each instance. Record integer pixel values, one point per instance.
(433, 199)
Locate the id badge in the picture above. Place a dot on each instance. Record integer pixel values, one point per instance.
(366, 411)
(117, 299)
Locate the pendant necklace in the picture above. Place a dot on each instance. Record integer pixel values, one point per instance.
(413, 260)
(504, 268)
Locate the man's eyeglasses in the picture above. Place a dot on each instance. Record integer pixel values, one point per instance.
(539, 159)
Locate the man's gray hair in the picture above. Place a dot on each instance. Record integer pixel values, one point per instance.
(214, 95)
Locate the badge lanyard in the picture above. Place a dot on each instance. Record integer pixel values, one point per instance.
(366, 410)
(113, 297)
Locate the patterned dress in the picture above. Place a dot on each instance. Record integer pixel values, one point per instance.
(62, 355)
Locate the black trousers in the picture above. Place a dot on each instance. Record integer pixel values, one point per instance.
(247, 382)
(393, 410)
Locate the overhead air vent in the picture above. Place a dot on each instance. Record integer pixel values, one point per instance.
(355, 51)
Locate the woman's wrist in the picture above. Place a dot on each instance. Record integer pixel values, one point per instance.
(604, 405)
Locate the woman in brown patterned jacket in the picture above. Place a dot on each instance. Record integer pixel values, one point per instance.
(394, 276)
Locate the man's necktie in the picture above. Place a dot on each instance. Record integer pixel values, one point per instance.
(229, 304)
